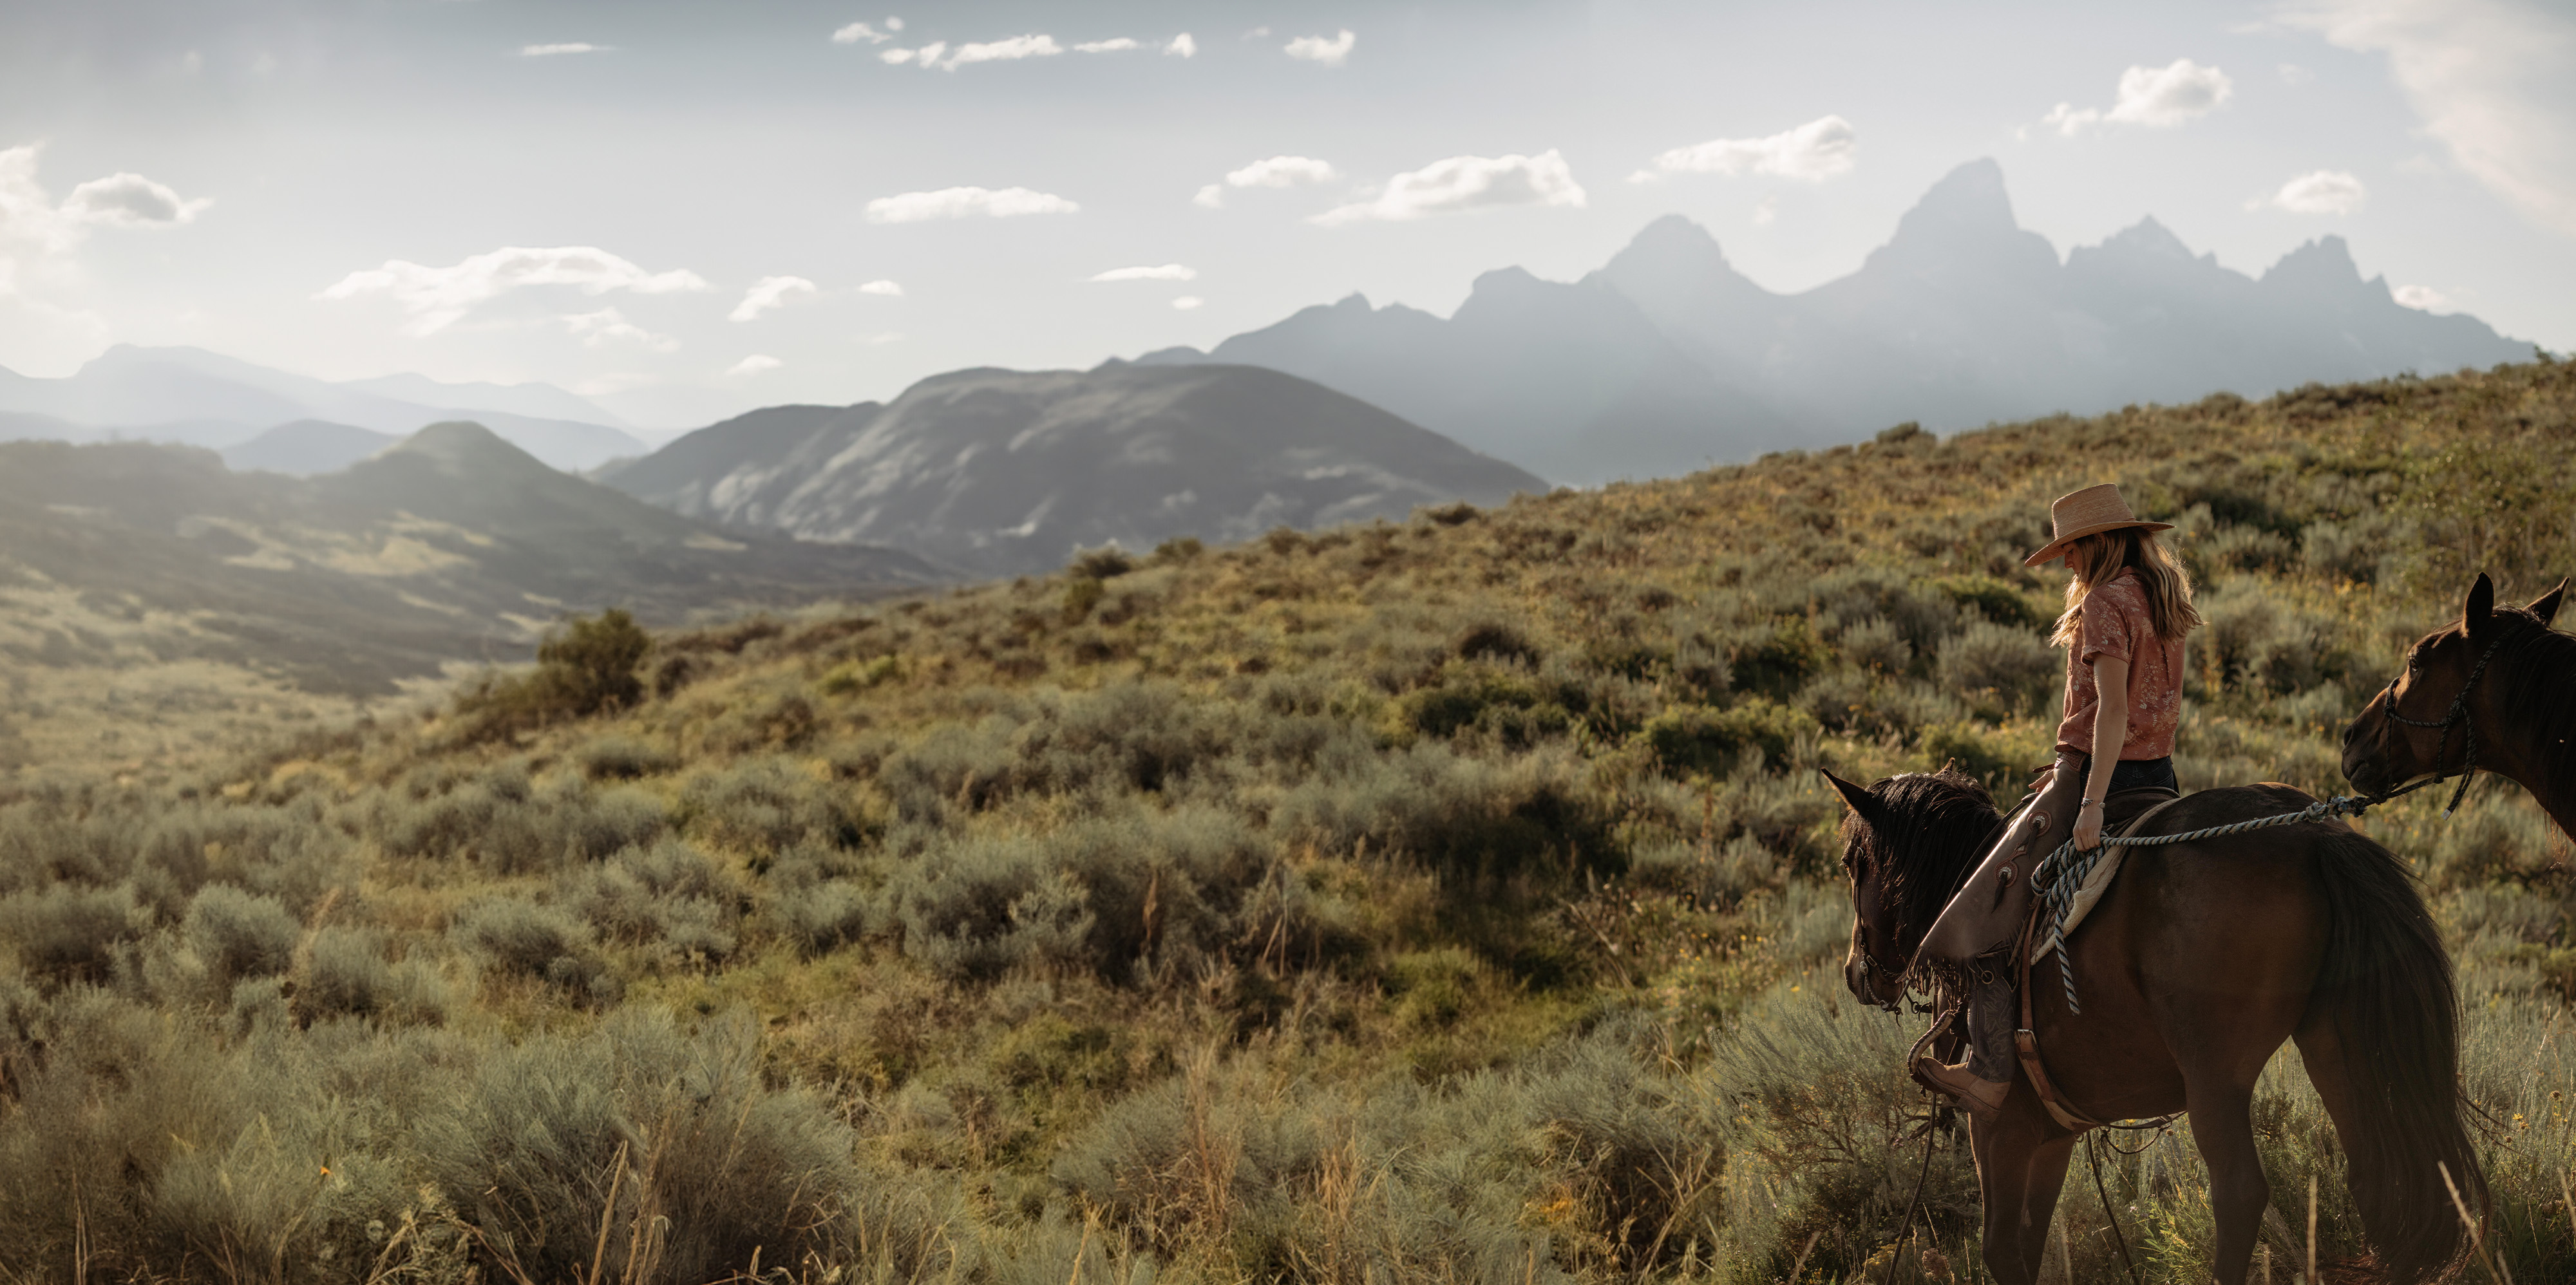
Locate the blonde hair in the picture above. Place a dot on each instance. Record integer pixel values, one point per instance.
(2095, 559)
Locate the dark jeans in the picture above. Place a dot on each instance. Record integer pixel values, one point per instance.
(1991, 1012)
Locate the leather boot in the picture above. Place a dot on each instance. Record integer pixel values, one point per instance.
(1982, 1097)
(1982, 1080)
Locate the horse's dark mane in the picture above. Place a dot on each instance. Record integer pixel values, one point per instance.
(2536, 681)
(1931, 830)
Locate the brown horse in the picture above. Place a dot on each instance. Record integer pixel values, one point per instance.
(2202, 959)
(2496, 691)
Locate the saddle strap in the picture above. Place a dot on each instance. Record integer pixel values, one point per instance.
(2026, 1039)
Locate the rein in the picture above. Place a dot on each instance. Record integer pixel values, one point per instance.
(2458, 713)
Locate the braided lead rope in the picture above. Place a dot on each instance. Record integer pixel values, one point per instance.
(2067, 868)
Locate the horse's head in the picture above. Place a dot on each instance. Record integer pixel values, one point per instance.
(1908, 842)
(1874, 968)
(2414, 728)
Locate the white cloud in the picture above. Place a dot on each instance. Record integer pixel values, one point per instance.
(965, 203)
(1466, 183)
(882, 338)
(2294, 75)
(1182, 46)
(1331, 53)
(27, 211)
(887, 288)
(2494, 80)
(938, 56)
(757, 363)
(858, 31)
(1118, 44)
(439, 297)
(1278, 171)
(1187, 302)
(1282, 171)
(1167, 272)
(1767, 211)
(42, 321)
(551, 51)
(2159, 97)
(769, 293)
(609, 326)
(2425, 298)
(130, 201)
(1815, 151)
(2319, 192)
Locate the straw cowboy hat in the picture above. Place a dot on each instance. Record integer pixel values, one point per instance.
(2091, 511)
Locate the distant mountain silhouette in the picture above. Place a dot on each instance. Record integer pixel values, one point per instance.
(199, 398)
(306, 447)
(1667, 358)
(1002, 471)
(452, 545)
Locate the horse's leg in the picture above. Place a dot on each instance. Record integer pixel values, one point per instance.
(2012, 1151)
(2047, 1179)
(2222, 1123)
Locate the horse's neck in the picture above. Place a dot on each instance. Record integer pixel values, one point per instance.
(2541, 757)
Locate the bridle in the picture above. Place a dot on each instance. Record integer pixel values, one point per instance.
(1871, 970)
(2458, 713)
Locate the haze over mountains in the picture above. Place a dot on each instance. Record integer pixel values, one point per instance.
(450, 545)
(1667, 359)
(199, 398)
(1004, 472)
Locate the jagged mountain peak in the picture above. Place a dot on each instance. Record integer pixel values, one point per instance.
(1963, 231)
(2148, 238)
(1969, 198)
(2326, 260)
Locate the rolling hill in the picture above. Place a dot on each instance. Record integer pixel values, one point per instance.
(150, 583)
(1006, 472)
(193, 397)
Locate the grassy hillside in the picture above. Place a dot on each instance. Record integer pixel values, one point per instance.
(1451, 900)
(155, 607)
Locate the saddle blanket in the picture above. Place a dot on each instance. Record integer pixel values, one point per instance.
(2097, 881)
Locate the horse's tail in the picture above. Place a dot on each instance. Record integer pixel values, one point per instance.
(2386, 987)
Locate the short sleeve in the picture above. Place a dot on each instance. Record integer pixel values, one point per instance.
(2111, 617)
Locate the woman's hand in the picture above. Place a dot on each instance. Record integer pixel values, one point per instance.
(2088, 826)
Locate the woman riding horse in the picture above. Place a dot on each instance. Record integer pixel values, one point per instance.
(2128, 606)
(2198, 961)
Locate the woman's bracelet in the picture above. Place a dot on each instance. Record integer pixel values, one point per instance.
(2089, 803)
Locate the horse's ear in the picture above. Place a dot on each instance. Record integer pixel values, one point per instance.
(2480, 607)
(2546, 605)
(1857, 797)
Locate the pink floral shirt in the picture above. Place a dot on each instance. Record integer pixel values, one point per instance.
(2116, 623)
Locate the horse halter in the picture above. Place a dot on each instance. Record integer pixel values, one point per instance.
(2458, 713)
(1871, 970)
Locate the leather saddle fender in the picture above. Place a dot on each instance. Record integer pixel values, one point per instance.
(1987, 911)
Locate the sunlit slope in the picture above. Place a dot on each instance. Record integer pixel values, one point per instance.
(156, 572)
(1441, 899)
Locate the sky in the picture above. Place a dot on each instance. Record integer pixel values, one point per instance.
(683, 210)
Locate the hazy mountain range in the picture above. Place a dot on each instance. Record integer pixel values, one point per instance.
(450, 545)
(1668, 359)
(1003, 472)
(199, 398)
